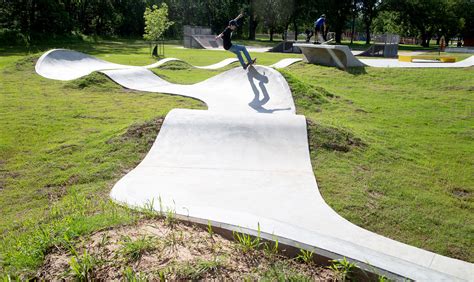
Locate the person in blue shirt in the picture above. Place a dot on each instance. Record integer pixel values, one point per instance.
(226, 36)
(320, 28)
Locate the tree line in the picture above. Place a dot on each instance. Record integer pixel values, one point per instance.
(30, 20)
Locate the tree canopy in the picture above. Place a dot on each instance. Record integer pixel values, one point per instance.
(30, 20)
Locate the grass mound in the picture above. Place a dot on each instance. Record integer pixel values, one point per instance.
(176, 65)
(143, 134)
(26, 62)
(306, 96)
(94, 80)
(331, 138)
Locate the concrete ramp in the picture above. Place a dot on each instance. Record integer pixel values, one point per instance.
(395, 63)
(372, 51)
(62, 64)
(245, 163)
(258, 90)
(341, 57)
(208, 41)
(329, 55)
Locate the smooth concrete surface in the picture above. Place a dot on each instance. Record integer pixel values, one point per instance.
(395, 63)
(329, 55)
(239, 166)
(340, 56)
(286, 62)
(62, 64)
(260, 89)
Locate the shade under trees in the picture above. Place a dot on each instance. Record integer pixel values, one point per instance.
(30, 20)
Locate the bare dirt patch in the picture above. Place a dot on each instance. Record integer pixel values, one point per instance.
(173, 252)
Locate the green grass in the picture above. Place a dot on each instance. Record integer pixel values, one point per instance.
(392, 149)
(132, 250)
(412, 179)
(62, 147)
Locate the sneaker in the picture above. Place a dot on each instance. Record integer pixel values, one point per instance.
(245, 66)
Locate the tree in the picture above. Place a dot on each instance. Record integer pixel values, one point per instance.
(369, 9)
(337, 12)
(275, 14)
(156, 22)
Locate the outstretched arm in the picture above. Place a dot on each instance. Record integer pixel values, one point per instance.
(239, 16)
(219, 36)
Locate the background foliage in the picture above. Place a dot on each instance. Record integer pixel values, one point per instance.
(24, 21)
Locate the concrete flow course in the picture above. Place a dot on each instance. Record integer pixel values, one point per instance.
(341, 56)
(244, 164)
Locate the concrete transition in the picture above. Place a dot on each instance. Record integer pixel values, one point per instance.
(200, 37)
(385, 45)
(53, 64)
(340, 56)
(245, 163)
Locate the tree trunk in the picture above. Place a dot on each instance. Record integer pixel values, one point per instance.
(367, 34)
(353, 28)
(271, 34)
(425, 40)
(295, 27)
(252, 24)
(338, 36)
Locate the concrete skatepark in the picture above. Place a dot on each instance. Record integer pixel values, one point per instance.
(341, 56)
(245, 162)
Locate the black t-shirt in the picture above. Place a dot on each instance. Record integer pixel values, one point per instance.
(226, 37)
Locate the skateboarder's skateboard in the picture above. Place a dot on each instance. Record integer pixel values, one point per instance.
(251, 63)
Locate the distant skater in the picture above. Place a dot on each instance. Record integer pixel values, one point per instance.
(226, 36)
(320, 29)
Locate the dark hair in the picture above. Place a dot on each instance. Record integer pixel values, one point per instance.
(233, 22)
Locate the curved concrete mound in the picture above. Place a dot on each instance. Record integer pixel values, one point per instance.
(329, 55)
(340, 56)
(62, 64)
(244, 164)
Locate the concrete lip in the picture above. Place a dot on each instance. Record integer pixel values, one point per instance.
(340, 56)
(245, 162)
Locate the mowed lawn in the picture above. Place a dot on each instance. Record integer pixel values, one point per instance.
(64, 144)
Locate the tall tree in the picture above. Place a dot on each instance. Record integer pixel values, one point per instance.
(275, 14)
(369, 9)
(337, 13)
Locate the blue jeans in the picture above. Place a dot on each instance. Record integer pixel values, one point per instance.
(236, 49)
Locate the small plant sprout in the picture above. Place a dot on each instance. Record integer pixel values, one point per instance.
(246, 242)
(82, 266)
(132, 276)
(305, 256)
(149, 209)
(271, 249)
(160, 202)
(209, 228)
(170, 219)
(132, 250)
(342, 268)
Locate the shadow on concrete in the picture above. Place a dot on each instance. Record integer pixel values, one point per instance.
(257, 103)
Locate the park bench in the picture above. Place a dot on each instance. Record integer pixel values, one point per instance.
(410, 58)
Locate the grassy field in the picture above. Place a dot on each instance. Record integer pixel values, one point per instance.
(392, 149)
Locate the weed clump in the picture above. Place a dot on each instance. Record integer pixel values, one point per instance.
(331, 138)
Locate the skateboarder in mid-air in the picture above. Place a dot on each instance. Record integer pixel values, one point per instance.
(320, 29)
(226, 36)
